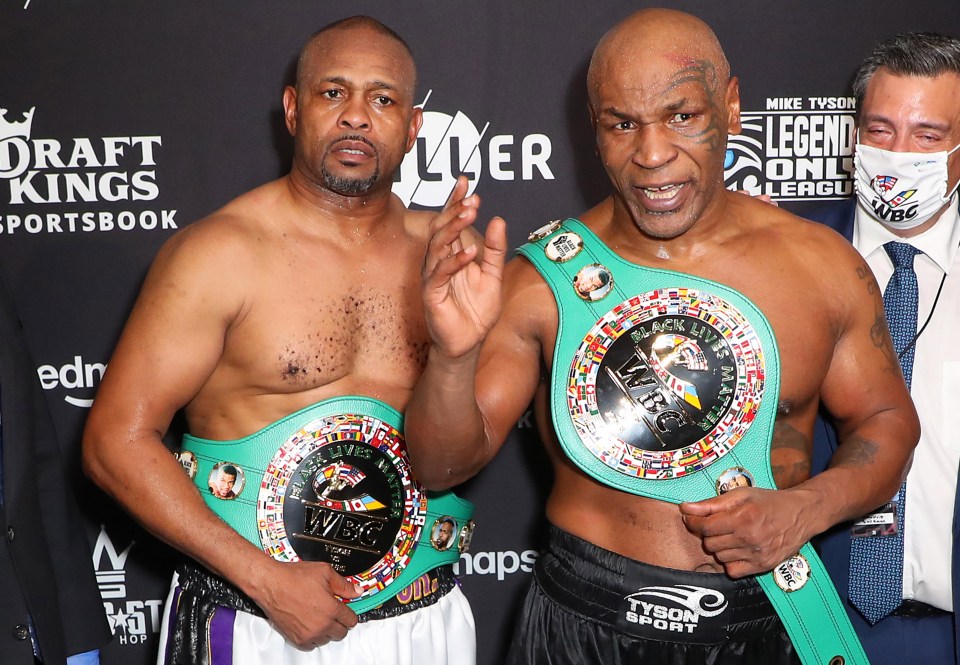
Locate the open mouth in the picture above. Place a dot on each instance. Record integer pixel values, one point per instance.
(664, 193)
(353, 150)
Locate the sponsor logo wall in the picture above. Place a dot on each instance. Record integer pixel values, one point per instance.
(120, 124)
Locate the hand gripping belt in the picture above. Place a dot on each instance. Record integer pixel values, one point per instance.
(332, 482)
(623, 389)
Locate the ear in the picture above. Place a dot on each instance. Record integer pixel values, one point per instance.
(416, 121)
(593, 125)
(290, 109)
(732, 101)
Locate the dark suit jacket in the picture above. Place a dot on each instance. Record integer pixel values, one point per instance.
(834, 545)
(45, 561)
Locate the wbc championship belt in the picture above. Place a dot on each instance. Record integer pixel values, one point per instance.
(333, 483)
(666, 385)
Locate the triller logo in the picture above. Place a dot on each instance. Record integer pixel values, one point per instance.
(450, 145)
(109, 171)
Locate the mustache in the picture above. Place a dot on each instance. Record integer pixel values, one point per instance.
(353, 137)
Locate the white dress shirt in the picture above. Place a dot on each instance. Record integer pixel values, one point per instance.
(932, 481)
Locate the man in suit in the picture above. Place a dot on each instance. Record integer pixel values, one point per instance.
(50, 609)
(908, 100)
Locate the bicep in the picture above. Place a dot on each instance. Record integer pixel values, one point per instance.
(168, 349)
(864, 377)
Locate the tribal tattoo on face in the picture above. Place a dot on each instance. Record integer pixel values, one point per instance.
(703, 74)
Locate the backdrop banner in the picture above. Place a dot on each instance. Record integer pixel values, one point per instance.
(122, 122)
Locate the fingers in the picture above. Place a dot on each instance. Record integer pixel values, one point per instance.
(323, 616)
(445, 229)
(495, 247)
(448, 267)
(459, 191)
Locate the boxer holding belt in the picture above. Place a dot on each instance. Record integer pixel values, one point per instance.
(671, 377)
(288, 326)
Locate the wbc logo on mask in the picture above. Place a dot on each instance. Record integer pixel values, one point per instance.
(884, 184)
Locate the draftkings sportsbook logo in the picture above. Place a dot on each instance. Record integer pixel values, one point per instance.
(77, 185)
(798, 149)
(451, 145)
(130, 620)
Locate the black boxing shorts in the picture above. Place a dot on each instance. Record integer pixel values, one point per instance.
(587, 605)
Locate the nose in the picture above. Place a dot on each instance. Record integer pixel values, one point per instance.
(653, 147)
(354, 114)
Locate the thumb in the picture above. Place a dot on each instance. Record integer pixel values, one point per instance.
(702, 508)
(344, 588)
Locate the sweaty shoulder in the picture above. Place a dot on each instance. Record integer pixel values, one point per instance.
(212, 258)
(786, 234)
(806, 255)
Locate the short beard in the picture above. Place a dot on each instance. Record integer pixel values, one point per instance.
(349, 186)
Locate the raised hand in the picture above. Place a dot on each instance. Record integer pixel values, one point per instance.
(461, 279)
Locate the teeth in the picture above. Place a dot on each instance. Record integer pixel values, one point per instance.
(661, 193)
(352, 151)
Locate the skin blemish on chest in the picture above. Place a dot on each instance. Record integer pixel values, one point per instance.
(354, 331)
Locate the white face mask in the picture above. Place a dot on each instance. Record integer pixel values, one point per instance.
(901, 190)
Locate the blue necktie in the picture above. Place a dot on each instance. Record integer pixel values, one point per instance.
(876, 562)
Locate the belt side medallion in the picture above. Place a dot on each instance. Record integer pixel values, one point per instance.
(340, 490)
(666, 383)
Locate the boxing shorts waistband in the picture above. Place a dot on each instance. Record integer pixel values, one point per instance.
(649, 601)
(426, 590)
(333, 483)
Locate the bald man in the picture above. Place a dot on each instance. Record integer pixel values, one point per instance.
(659, 373)
(289, 327)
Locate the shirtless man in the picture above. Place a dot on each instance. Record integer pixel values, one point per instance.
(662, 102)
(302, 290)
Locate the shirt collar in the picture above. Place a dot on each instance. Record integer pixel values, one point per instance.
(940, 242)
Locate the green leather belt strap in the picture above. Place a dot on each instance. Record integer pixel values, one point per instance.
(267, 459)
(667, 320)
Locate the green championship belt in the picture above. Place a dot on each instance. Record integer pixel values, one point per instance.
(332, 482)
(658, 376)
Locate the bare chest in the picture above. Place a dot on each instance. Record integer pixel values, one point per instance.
(312, 333)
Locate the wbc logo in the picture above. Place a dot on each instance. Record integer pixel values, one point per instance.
(884, 184)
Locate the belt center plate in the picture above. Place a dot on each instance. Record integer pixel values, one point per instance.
(340, 490)
(666, 383)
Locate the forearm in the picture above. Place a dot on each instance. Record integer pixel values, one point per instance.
(444, 428)
(866, 470)
(145, 479)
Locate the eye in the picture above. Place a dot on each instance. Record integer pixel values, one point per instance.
(383, 100)
(680, 118)
(624, 125)
(333, 93)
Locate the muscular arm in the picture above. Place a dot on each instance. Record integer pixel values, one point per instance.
(752, 530)
(166, 354)
(463, 407)
(878, 426)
